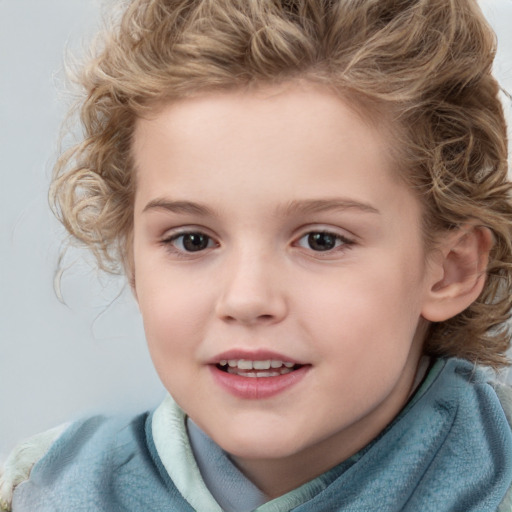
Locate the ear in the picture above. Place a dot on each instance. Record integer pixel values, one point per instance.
(457, 272)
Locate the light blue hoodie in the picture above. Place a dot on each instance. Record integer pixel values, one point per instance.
(449, 450)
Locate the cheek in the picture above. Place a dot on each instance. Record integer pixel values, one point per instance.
(170, 311)
(366, 313)
(173, 334)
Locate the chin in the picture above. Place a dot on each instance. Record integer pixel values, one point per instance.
(258, 446)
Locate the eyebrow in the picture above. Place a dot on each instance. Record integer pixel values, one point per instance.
(321, 205)
(178, 207)
(292, 208)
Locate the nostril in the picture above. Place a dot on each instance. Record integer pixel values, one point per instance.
(249, 319)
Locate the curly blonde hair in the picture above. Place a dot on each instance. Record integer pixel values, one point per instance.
(424, 64)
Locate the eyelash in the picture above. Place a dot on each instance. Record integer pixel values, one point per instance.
(341, 242)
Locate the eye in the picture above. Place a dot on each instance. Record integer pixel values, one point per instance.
(190, 242)
(322, 241)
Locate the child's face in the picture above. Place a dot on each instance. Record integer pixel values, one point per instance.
(269, 227)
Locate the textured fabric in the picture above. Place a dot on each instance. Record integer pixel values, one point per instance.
(461, 412)
(170, 446)
(450, 450)
(504, 393)
(21, 460)
(100, 466)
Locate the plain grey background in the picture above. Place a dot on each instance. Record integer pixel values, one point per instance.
(60, 361)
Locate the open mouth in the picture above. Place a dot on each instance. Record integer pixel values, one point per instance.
(260, 378)
(263, 368)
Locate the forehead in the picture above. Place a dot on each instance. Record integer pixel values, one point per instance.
(305, 98)
(257, 128)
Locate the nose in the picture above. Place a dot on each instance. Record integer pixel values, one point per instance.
(253, 291)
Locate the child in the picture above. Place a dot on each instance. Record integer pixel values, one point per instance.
(309, 199)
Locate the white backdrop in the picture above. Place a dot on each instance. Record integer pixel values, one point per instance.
(57, 361)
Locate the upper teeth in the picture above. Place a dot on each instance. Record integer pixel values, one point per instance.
(245, 364)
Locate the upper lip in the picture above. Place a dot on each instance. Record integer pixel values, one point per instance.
(252, 355)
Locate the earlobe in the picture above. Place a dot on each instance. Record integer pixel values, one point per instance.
(459, 273)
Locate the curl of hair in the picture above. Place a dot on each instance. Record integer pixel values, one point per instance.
(425, 65)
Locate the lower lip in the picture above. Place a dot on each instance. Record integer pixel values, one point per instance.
(254, 388)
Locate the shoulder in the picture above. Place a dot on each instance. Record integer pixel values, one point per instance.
(48, 463)
(98, 464)
(22, 459)
(480, 411)
(504, 394)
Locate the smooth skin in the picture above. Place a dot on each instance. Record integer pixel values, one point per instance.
(273, 220)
